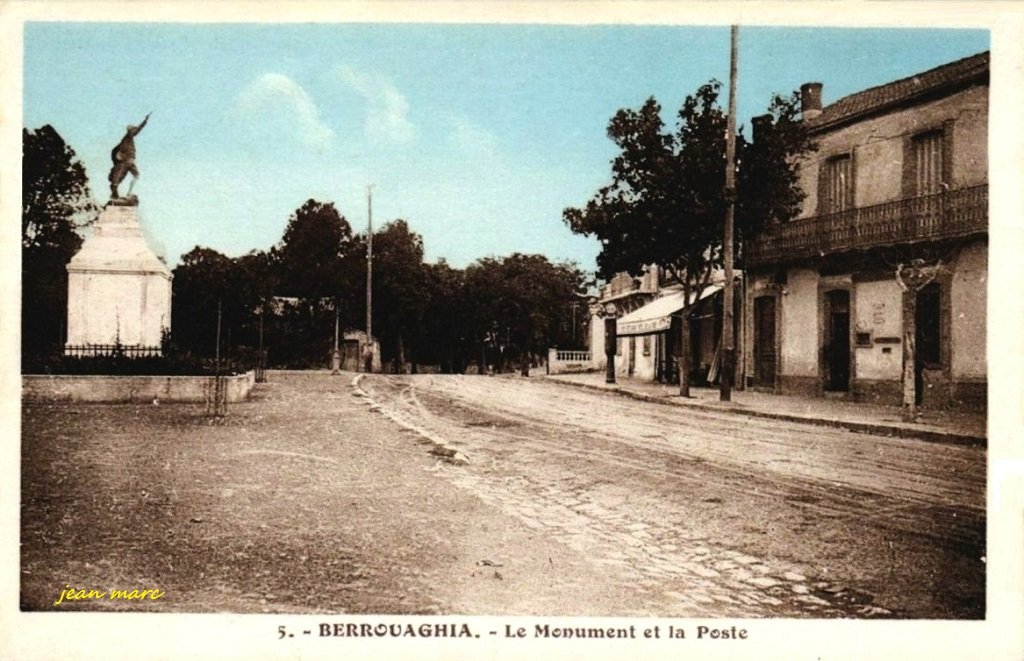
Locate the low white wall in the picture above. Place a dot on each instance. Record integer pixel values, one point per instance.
(101, 388)
(565, 362)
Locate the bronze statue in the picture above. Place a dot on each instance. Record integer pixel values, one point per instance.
(123, 156)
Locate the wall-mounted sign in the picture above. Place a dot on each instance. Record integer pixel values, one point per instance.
(878, 313)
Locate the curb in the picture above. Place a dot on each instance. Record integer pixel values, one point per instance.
(857, 427)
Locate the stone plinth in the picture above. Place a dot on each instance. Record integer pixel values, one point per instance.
(118, 290)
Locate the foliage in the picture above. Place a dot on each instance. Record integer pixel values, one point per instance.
(56, 204)
(401, 300)
(444, 339)
(666, 202)
(520, 303)
(204, 281)
(768, 176)
(312, 251)
(423, 313)
(56, 200)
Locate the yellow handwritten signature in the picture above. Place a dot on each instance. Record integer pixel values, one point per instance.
(71, 594)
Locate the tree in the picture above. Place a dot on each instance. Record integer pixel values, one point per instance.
(203, 281)
(312, 249)
(521, 303)
(56, 204)
(666, 202)
(400, 293)
(445, 337)
(315, 261)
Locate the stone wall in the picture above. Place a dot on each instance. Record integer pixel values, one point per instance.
(98, 388)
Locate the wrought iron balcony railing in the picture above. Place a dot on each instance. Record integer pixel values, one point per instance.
(948, 215)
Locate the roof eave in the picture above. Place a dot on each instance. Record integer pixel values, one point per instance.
(942, 90)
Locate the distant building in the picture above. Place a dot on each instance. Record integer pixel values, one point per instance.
(899, 179)
(619, 296)
(648, 313)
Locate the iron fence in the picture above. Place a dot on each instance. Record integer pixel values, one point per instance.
(112, 350)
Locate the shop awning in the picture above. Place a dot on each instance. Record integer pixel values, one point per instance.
(656, 316)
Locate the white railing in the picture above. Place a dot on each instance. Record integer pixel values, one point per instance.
(561, 361)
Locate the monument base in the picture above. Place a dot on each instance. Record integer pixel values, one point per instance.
(119, 292)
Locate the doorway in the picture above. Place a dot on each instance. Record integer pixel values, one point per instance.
(837, 341)
(764, 341)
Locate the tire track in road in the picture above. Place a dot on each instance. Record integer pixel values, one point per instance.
(829, 497)
(504, 443)
(638, 551)
(905, 467)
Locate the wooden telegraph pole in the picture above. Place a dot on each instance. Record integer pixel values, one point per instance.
(728, 341)
(369, 266)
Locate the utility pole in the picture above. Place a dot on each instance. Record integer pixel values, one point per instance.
(261, 361)
(728, 341)
(336, 352)
(369, 266)
(216, 350)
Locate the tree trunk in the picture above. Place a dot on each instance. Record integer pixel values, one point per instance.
(401, 354)
(909, 363)
(684, 355)
(524, 362)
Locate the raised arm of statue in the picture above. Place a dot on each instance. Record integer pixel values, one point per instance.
(142, 125)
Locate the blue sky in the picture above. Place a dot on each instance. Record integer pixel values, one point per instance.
(477, 135)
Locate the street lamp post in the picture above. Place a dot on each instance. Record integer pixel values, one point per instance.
(369, 277)
(336, 353)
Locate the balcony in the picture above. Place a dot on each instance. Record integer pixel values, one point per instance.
(953, 214)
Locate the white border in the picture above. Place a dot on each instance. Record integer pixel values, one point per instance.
(1000, 636)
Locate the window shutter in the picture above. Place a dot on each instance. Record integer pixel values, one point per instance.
(909, 184)
(823, 172)
(947, 152)
(852, 183)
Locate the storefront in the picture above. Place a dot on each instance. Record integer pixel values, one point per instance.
(648, 338)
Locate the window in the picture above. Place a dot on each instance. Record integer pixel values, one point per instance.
(838, 184)
(927, 163)
(647, 345)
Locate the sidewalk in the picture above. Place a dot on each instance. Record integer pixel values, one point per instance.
(940, 426)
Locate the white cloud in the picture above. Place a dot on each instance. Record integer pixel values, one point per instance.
(474, 140)
(279, 103)
(387, 109)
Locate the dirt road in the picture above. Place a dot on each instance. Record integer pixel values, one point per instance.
(717, 513)
(318, 496)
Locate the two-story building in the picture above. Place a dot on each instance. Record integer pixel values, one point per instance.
(889, 254)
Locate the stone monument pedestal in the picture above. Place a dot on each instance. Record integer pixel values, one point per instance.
(119, 292)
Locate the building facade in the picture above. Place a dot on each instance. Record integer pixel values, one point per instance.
(648, 316)
(620, 296)
(889, 255)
